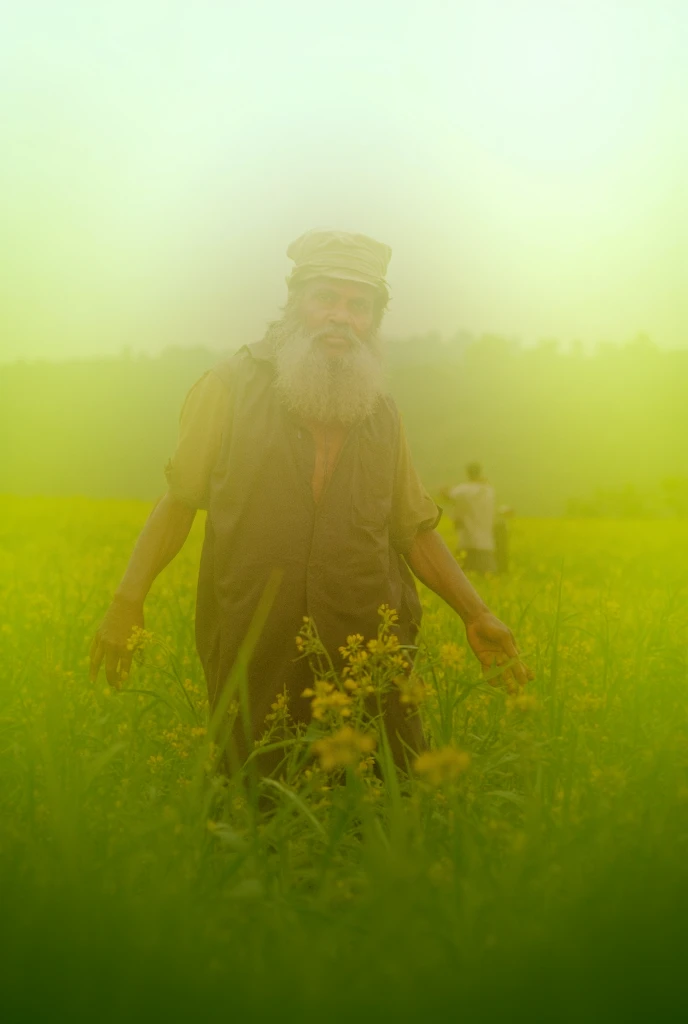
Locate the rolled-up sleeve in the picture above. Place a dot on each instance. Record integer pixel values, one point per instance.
(201, 423)
(412, 509)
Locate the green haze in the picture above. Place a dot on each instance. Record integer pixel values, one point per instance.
(552, 428)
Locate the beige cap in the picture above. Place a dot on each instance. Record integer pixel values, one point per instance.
(349, 257)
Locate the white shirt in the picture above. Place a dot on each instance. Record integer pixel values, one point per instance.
(474, 511)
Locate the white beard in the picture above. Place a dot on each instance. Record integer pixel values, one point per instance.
(321, 387)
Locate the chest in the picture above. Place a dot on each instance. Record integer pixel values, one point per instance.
(327, 443)
(272, 460)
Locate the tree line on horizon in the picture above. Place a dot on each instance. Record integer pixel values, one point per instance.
(558, 431)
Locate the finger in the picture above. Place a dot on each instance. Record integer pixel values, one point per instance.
(509, 677)
(96, 659)
(509, 647)
(111, 663)
(522, 673)
(125, 664)
(491, 662)
(507, 680)
(510, 681)
(519, 672)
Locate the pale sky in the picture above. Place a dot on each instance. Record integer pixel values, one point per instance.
(527, 162)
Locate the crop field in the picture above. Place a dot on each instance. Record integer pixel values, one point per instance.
(534, 865)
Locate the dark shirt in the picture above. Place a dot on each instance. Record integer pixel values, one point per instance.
(253, 466)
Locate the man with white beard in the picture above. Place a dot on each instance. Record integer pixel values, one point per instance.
(298, 454)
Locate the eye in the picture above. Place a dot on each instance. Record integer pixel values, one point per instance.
(361, 305)
(326, 296)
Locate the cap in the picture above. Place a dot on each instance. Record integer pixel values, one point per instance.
(340, 254)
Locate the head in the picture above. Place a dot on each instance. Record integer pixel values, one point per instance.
(474, 471)
(327, 353)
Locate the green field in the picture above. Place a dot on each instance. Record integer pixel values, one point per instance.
(535, 867)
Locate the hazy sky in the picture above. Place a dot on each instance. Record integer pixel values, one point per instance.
(527, 162)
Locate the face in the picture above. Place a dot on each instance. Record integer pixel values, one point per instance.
(334, 309)
(328, 357)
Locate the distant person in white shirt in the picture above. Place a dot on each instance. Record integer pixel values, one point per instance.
(474, 516)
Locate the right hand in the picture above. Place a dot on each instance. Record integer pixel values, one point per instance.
(110, 642)
(493, 644)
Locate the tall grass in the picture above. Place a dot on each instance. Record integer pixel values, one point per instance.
(539, 868)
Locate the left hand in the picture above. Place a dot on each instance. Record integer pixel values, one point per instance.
(493, 644)
(110, 644)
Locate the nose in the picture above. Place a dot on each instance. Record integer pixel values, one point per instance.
(340, 314)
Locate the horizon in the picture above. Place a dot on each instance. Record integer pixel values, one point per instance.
(449, 341)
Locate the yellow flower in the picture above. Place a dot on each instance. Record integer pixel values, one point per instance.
(326, 698)
(452, 656)
(384, 644)
(322, 688)
(353, 645)
(388, 615)
(155, 761)
(139, 639)
(280, 708)
(343, 749)
(411, 688)
(523, 702)
(588, 702)
(444, 765)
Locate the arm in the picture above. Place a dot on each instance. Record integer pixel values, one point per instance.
(492, 642)
(160, 540)
(188, 472)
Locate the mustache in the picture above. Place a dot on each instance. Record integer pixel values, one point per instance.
(346, 333)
